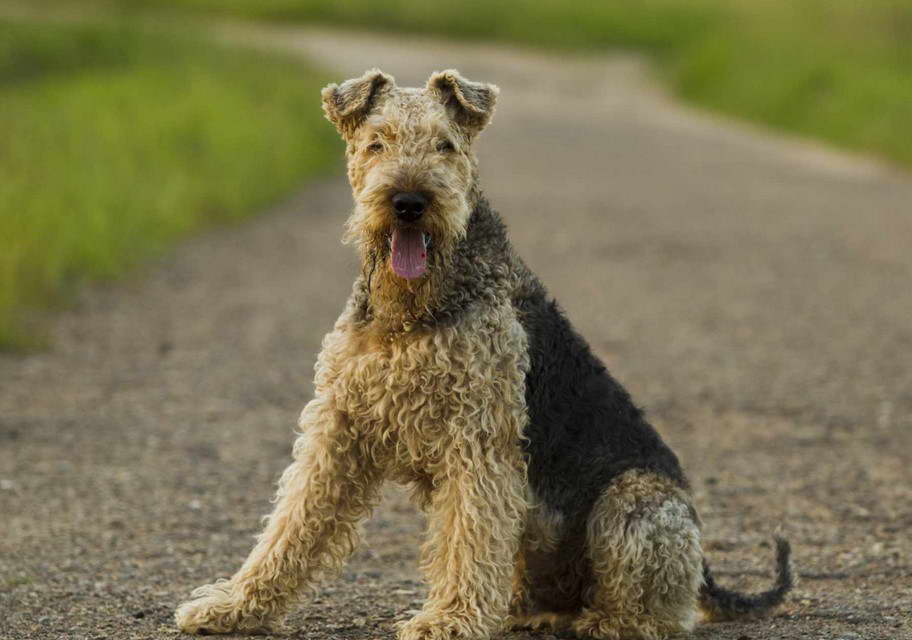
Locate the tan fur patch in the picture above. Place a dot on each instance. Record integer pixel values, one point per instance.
(441, 409)
(544, 528)
(644, 545)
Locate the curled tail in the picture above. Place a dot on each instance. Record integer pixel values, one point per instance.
(721, 604)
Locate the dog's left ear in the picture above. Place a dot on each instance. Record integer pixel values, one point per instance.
(347, 105)
(470, 104)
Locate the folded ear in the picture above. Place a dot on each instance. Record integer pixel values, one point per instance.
(347, 105)
(470, 104)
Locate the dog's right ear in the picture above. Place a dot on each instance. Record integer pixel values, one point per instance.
(470, 104)
(347, 105)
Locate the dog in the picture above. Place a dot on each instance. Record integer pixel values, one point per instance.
(552, 502)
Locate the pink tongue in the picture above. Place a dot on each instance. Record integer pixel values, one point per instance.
(409, 254)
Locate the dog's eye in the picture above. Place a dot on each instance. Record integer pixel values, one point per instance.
(375, 147)
(445, 146)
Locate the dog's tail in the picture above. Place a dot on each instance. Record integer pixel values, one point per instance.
(721, 604)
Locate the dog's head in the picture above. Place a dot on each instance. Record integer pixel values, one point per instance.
(411, 167)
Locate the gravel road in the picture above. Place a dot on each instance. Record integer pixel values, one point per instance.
(753, 293)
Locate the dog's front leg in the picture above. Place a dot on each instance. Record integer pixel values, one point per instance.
(322, 496)
(475, 521)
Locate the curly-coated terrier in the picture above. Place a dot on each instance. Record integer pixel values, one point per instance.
(551, 500)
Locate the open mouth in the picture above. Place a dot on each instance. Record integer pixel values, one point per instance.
(409, 249)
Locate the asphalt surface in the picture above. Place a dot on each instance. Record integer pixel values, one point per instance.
(753, 293)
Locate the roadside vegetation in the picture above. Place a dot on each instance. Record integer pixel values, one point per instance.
(116, 141)
(838, 70)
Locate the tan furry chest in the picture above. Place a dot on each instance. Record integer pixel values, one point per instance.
(425, 394)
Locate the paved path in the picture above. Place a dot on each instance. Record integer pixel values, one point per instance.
(754, 294)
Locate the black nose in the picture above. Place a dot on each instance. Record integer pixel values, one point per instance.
(409, 206)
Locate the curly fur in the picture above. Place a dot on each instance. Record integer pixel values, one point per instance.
(551, 500)
(643, 544)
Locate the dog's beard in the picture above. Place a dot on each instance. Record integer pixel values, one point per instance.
(394, 299)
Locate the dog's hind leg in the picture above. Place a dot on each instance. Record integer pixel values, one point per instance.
(322, 496)
(643, 540)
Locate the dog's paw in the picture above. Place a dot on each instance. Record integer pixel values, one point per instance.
(214, 609)
(432, 625)
(540, 621)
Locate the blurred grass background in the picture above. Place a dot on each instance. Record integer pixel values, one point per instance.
(838, 70)
(116, 140)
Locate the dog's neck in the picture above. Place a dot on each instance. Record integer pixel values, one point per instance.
(459, 274)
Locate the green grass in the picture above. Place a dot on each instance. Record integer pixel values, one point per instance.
(118, 141)
(115, 141)
(839, 70)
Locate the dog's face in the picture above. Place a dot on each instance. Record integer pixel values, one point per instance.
(410, 164)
